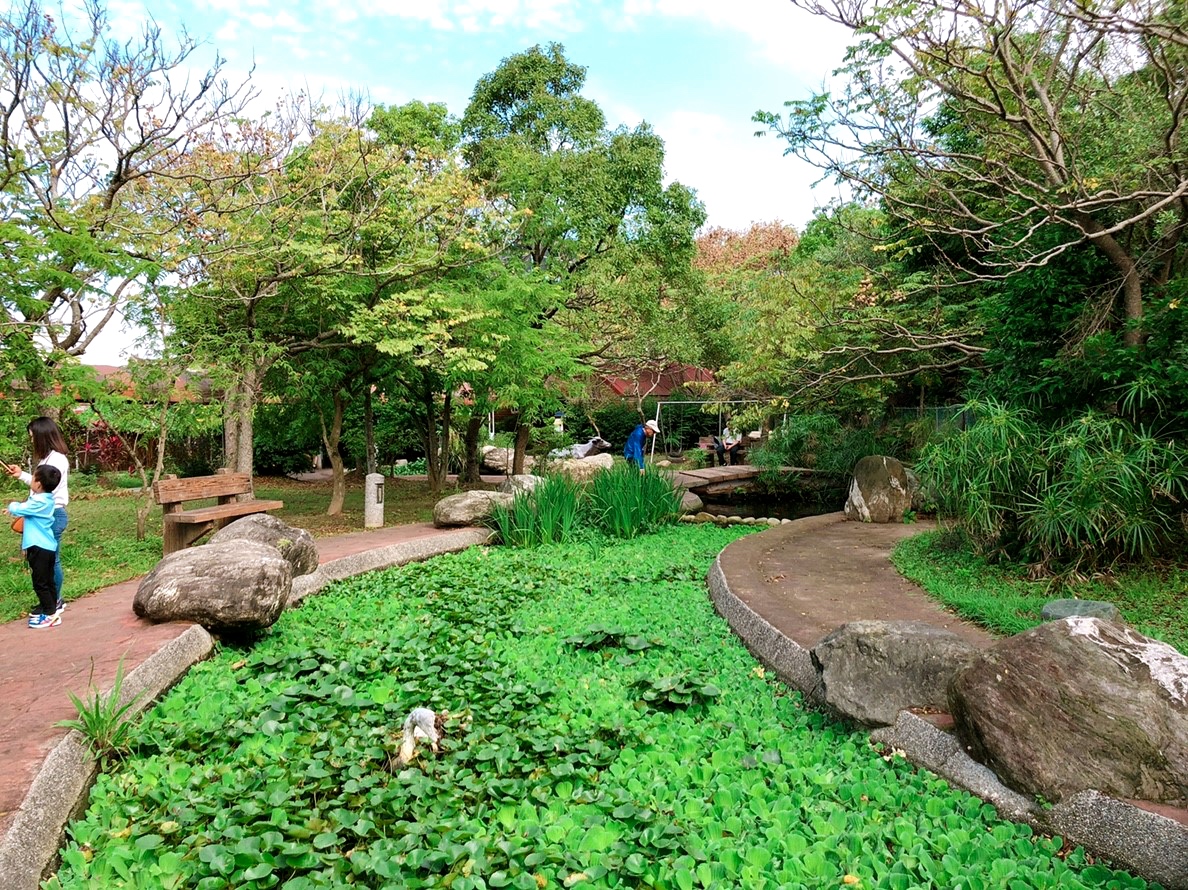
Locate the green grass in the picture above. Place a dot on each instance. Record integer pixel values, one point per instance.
(653, 754)
(1002, 599)
(100, 547)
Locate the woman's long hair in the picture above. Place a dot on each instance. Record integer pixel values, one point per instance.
(46, 438)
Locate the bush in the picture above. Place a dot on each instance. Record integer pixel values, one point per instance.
(817, 441)
(1081, 495)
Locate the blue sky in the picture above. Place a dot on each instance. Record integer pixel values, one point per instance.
(696, 70)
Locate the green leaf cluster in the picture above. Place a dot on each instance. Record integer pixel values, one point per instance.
(269, 767)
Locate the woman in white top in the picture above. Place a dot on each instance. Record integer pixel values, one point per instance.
(49, 447)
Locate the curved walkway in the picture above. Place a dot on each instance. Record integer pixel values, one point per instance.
(781, 591)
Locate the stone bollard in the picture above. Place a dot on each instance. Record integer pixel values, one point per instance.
(373, 501)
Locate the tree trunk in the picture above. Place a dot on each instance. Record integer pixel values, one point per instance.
(330, 440)
(523, 436)
(1132, 285)
(470, 448)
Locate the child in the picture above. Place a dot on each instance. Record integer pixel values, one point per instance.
(37, 540)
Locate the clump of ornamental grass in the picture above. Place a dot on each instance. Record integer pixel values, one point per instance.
(625, 503)
(548, 514)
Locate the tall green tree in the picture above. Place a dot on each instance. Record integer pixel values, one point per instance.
(595, 218)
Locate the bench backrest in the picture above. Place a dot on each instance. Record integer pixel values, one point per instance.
(196, 488)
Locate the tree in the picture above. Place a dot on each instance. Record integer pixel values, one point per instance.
(595, 218)
(1007, 134)
(91, 130)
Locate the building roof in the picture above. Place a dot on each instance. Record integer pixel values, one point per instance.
(656, 383)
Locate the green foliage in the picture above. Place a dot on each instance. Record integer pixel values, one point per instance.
(1083, 494)
(675, 691)
(817, 441)
(412, 468)
(285, 438)
(624, 503)
(602, 636)
(1004, 599)
(103, 719)
(271, 767)
(548, 514)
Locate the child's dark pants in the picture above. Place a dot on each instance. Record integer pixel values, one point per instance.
(41, 564)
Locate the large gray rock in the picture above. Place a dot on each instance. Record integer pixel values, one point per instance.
(468, 508)
(236, 585)
(691, 503)
(1079, 704)
(871, 670)
(500, 459)
(878, 491)
(523, 482)
(295, 544)
(582, 469)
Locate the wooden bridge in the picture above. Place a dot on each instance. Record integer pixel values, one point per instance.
(723, 480)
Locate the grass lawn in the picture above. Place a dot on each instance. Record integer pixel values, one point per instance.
(1002, 599)
(604, 728)
(100, 546)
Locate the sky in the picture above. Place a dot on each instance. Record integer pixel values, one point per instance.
(695, 70)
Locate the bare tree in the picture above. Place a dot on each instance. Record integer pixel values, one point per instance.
(1019, 128)
(88, 126)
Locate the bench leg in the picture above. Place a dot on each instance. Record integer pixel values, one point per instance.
(179, 536)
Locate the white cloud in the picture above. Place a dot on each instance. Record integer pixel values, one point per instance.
(740, 178)
(787, 37)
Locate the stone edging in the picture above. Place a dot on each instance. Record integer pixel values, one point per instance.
(60, 790)
(1144, 842)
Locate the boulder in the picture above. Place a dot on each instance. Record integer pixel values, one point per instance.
(500, 460)
(691, 503)
(521, 482)
(582, 469)
(878, 491)
(295, 544)
(235, 585)
(469, 507)
(1079, 704)
(1054, 610)
(868, 671)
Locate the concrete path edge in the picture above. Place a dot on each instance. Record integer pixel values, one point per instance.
(61, 789)
(1148, 844)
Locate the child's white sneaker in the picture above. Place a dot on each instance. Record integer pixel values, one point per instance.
(40, 620)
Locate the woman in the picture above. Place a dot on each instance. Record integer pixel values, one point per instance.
(49, 447)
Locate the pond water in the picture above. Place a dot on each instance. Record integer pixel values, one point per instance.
(771, 508)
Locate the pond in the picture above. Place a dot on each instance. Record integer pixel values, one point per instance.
(765, 506)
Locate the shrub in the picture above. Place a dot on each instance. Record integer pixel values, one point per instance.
(817, 441)
(1091, 491)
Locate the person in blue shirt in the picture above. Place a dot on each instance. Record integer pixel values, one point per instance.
(633, 450)
(39, 543)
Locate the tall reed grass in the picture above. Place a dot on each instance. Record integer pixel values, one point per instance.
(624, 503)
(1080, 495)
(619, 502)
(549, 514)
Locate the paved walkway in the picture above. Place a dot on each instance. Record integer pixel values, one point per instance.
(97, 631)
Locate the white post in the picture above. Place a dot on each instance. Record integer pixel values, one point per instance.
(373, 501)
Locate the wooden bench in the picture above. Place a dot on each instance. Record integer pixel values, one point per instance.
(183, 527)
(706, 443)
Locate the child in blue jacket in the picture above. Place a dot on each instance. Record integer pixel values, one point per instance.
(39, 544)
